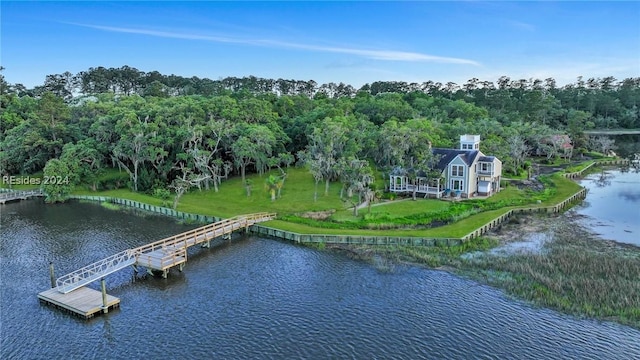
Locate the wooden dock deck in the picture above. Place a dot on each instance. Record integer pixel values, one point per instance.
(83, 302)
(69, 291)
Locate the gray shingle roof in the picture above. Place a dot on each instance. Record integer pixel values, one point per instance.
(447, 155)
(486, 158)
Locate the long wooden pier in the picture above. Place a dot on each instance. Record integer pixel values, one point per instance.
(18, 195)
(71, 294)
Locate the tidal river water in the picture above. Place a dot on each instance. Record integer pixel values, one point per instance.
(612, 207)
(260, 298)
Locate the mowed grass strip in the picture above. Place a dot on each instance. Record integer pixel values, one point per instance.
(297, 197)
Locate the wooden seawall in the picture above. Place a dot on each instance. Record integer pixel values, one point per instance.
(577, 174)
(151, 208)
(414, 241)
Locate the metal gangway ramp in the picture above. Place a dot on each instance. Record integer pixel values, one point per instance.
(159, 255)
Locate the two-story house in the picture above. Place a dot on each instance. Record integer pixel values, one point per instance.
(466, 172)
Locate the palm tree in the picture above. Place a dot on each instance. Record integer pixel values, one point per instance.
(273, 184)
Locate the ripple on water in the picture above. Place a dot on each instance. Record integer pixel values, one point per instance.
(258, 298)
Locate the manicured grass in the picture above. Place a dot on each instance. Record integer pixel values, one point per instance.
(455, 230)
(507, 193)
(232, 199)
(297, 198)
(6, 183)
(395, 209)
(123, 194)
(564, 189)
(578, 167)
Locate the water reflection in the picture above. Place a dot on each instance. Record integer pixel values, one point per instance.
(603, 179)
(611, 208)
(630, 196)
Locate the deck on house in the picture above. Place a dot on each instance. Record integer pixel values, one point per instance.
(83, 302)
(419, 189)
(162, 255)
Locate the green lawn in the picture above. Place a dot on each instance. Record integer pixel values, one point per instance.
(297, 198)
(6, 182)
(564, 189)
(395, 209)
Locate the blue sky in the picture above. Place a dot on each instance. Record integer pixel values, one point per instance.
(350, 42)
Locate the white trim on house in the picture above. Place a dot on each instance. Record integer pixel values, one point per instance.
(469, 171)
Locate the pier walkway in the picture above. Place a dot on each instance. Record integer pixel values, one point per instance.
(160, 255)
(18, 195)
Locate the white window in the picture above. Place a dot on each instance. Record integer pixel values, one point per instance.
(457, 170)
(485, 167)
(456, 185)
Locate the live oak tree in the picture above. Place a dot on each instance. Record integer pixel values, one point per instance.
(150, 124)
(253, 145)
(133, 148)
(58, 180)
(83, 161)
(356, 176)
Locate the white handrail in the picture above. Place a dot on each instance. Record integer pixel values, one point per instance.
(113, 263)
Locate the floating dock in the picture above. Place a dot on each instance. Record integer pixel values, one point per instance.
(83, 302)
(69, 292)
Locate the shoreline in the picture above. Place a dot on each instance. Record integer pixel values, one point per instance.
(567, 276)
(574, 271)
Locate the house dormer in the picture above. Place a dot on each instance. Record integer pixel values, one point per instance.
(469, 142)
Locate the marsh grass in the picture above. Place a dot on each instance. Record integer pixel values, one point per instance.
(432, 256)
(575, 273)
(110, 206)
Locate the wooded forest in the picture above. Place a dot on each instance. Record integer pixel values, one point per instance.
(171, 133)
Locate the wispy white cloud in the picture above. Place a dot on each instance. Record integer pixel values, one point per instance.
(521, 25)
(385, 55)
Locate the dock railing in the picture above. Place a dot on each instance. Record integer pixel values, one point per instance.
(95, 271)
(161, 254)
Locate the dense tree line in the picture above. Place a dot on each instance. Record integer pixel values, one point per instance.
(608, 102)
(172, 133)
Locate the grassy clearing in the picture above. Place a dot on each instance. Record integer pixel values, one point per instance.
(9, 183)
(296, 197)
(232, 199)
(575, 274)
(385, 219)
(578, 167)
(393, 209)
(564, 188)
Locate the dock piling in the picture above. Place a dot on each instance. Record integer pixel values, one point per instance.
(105, 306)
(52, 275)
(69, 291)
